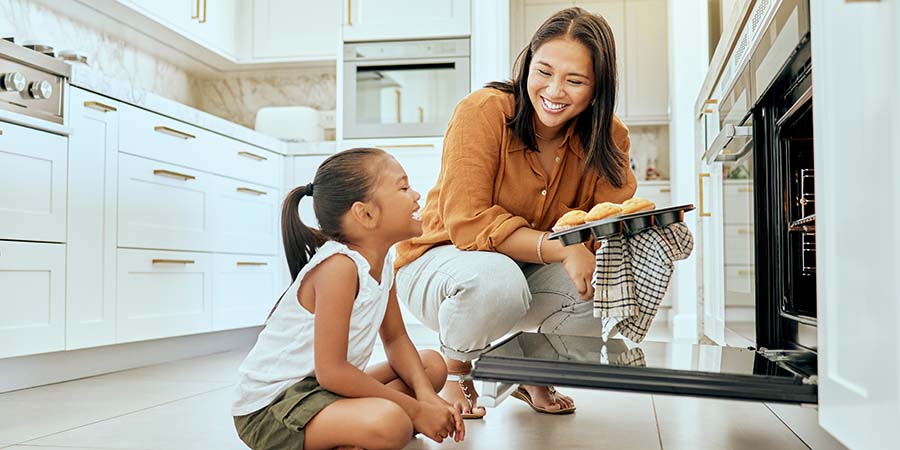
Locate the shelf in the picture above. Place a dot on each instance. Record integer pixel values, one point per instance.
(805, 225)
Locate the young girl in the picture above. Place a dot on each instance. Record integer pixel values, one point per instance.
(305, 384)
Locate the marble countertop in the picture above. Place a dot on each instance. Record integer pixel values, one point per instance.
(92, 80)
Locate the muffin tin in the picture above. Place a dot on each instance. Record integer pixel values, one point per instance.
(628, 225)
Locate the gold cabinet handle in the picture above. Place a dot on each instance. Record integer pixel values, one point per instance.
(100, 106)
(196, 14)
(702, 213)
(252, 263)
(1, 132)
(251, 191)
(169, 173)
(349, 13)
(745, 230)
(203, 20)
(665, 190)
(172, 261)
(252, 156)
(745, 272)
(745, 189)
(173, 132)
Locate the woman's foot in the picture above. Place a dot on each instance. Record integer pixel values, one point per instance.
(545, 399)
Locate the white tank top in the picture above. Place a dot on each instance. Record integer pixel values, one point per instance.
(284, 351)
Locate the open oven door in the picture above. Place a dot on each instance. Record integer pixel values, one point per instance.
(777, 376)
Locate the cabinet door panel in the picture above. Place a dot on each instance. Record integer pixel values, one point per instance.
(245, 217)
(244, 290)
(91, 248)
(33, 278)
(400, 19)
(647, 87)
(32, 184)
(162, 294)
(276, 34)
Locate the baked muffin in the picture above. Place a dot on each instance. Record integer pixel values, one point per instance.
(602, 211)
(569, 220)
(637, 204)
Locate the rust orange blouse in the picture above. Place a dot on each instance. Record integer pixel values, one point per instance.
(489, 186)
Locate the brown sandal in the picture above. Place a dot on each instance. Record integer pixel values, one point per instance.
(522, 394)
(465, 390)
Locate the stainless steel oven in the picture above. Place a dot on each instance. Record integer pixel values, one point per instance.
(765, 139)
(403, 89)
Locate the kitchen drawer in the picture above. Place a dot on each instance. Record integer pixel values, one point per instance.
(32, 184)
(739, 244)
(739, 285)
(162, 294)
(245, 288)
(738, 203)
(32, 298)
(245, 217)
(164, 207)
(243, 161)
(153, 136)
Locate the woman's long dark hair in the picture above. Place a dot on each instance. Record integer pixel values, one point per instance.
(594, 124)
(342, 180)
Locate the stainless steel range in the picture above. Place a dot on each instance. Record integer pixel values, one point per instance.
(32, 83)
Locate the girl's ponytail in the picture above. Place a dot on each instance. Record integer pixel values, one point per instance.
(300, 241)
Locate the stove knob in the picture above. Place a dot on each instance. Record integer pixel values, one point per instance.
(13, 81)
(40, 90)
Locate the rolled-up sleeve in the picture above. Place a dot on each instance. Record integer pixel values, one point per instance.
(472, 160)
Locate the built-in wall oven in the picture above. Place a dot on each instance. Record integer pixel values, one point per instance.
(403, 89)
(766, 132)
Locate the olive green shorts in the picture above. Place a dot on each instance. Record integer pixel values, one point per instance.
(281, 424)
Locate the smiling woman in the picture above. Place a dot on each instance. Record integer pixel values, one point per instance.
(518, 155)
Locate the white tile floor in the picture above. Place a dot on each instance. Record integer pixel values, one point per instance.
(185, 404)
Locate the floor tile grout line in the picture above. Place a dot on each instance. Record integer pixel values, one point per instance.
(786, 425)
(120, 415)
(656, 418)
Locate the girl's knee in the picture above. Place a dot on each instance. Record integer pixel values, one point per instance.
(387, 424)
(435, 368)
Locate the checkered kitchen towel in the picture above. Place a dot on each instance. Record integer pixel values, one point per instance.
(633, 274)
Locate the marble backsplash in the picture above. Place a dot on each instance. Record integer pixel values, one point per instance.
(28, 20)
(234, 97)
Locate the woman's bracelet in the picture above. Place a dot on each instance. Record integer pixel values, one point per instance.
(539, 242)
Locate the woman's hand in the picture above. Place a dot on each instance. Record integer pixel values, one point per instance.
(579, 263)
(439, 421)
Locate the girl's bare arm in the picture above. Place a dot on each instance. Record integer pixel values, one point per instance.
(401, 353)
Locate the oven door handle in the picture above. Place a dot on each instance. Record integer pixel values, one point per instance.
(717, 150)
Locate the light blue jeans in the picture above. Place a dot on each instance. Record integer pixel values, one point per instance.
(473, 298)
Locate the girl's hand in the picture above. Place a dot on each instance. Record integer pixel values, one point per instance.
(579, 263)
(439, 422)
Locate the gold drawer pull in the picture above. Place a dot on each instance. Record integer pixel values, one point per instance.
(408, 146)
(745, 272)
(1, 132)
(169, 173)
(349, 13)
(173, 132)
(252, 263)
(665, 190)
(173, 261)
(745, 230)
(102, 107)
(251, 191)
(700, 178)
(253, 156)
(745, 189)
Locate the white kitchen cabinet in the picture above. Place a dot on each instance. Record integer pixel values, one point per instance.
(640, 29)
(164, 206)
(856, 263)
(245, 217)
(712, 251)
(91, 246)
(646, 87)
(738, 247)
(243, 161)
(277, 35)
(163, 294)
(245, 288)
(380, 20)
(32, 184)
(33, 280)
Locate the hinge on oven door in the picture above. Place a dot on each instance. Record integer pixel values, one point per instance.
(789, 359)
